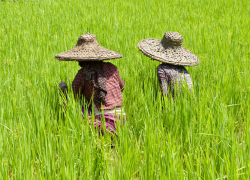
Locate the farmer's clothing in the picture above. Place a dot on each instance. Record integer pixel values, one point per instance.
(110, 121)
(94, 74)
(171, 75)
(102, 80)
(117, 110)
(111, 85)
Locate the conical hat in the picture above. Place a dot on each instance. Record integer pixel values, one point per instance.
(88, 49)
(168, 50)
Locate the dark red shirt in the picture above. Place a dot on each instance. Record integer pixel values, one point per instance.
(114, 86)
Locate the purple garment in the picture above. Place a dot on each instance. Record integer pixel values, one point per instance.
(170, 75)
(110, 120)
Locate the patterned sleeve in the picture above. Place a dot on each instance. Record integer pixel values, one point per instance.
(162, 80)
(121, 83)
(77, 83)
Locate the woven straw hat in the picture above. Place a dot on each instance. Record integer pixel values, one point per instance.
(168, 50)
(88, 49)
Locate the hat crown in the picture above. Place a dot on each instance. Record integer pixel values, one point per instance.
(87, 39)
(171, 39)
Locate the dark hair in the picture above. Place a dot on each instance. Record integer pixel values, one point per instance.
(81, 63)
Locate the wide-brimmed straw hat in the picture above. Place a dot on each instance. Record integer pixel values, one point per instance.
(88, 49)
(168, 50)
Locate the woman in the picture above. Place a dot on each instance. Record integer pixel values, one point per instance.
(171, 73)
(99, 82)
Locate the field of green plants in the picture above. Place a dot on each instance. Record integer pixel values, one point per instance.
(203, 135)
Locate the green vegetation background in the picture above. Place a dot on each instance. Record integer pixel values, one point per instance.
(200, 136)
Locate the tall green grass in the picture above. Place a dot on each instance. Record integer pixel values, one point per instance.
(204, 135)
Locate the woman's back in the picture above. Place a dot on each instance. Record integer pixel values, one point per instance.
(170, 75)
(113, 85)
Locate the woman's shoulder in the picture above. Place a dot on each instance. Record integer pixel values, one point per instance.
(171, 69)
(80, 71)
(110, 66)
(164, 66)
(160, 66)
(170, 66)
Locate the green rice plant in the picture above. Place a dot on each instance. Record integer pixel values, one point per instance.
(199, 135)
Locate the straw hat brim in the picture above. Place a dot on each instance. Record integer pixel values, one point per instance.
(154, 49)
(97, 53)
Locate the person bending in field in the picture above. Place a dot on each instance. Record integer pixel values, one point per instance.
(99, 82)
(171, 73)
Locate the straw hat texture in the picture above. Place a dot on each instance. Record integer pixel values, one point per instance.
(168, 50)
(88, 49)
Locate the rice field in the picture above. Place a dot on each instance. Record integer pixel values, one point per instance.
(203, 135)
